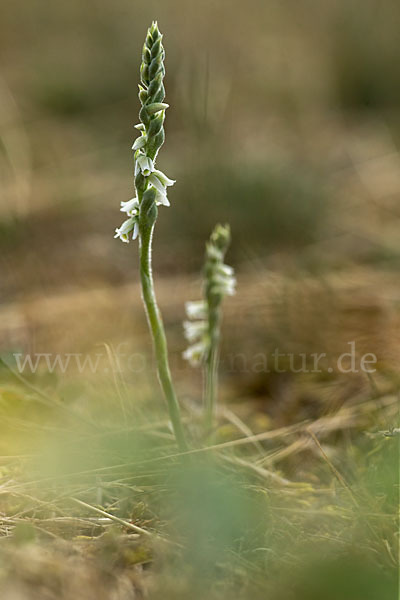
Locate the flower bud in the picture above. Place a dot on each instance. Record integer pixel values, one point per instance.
(140, 142)
(156, 107)
(221, 237)
(144, 73)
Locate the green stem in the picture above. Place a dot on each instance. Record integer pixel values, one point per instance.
(211, 370)
(158, 334)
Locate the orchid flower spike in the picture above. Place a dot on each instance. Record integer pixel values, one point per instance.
(202, 327)
(148, 144)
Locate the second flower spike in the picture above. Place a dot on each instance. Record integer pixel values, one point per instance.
(202, 328)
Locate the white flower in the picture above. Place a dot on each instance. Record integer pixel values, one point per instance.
(223, 281)
(194, 330)
(196, 310)
(161, 199)
(224, 290)
(131, 225)
(135, 230)
(143, 164)
(225, 270)
(166, 181)
(127, 227)
(225, 286)
(195, 353)
(160, 182)
(214, 253)
(131, 207)
(157, 183)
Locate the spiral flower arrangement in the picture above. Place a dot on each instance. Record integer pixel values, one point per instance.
(150, 184)
(202, 329)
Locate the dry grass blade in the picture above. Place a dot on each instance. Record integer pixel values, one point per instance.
(123, 522)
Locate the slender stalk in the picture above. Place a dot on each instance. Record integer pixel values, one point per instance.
(211, 369)
(158, 333)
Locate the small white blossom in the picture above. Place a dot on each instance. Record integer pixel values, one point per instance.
(194, 330)
(196, 310)
(160, 182)
(129, 226)
(214, 253)
(225, 270)
(161, 199)
(135, 230)
(224, 285)
(144, 164)
(224, 289)
(166, 181)
(157, 184)
(195, 354)
(131, 207)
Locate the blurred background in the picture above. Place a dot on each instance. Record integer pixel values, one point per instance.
(284, 121)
